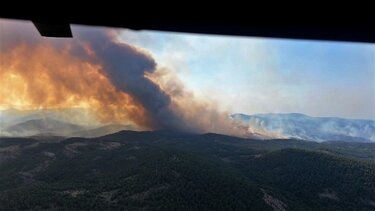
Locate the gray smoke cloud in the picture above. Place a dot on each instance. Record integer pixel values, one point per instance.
(126, 67)
(165, 102)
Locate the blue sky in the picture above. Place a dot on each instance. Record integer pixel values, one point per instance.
(262, 75)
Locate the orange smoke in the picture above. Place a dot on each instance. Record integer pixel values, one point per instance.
(42, 76)
(116, 82)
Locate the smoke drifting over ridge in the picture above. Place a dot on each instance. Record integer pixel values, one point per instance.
(117, 81)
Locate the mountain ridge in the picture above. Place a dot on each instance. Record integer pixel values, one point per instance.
(302, 126)
(41, 126)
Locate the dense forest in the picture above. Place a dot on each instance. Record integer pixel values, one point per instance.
(165, 170)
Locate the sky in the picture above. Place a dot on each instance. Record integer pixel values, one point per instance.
(265, 75)
(191, 80)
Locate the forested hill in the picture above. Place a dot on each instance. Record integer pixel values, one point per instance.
(166, 170)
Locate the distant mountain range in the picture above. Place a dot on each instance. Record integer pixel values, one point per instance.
(77, 122)
(51, 127)
(73, 122)
(301, 126)
(71, 115)
(42, 127)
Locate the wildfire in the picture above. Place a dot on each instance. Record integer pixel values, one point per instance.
(43, 77)
(115, 81)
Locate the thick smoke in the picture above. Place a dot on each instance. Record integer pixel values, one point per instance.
(199, 114)
(50, 73)
(119, 80)
(126, 67)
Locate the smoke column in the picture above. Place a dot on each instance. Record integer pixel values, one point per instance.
(116, 80)
(126, 67)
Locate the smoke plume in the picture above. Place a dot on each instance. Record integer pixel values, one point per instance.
(117, 81)
(126, 67)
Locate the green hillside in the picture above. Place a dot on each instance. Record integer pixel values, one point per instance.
(165, 170)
